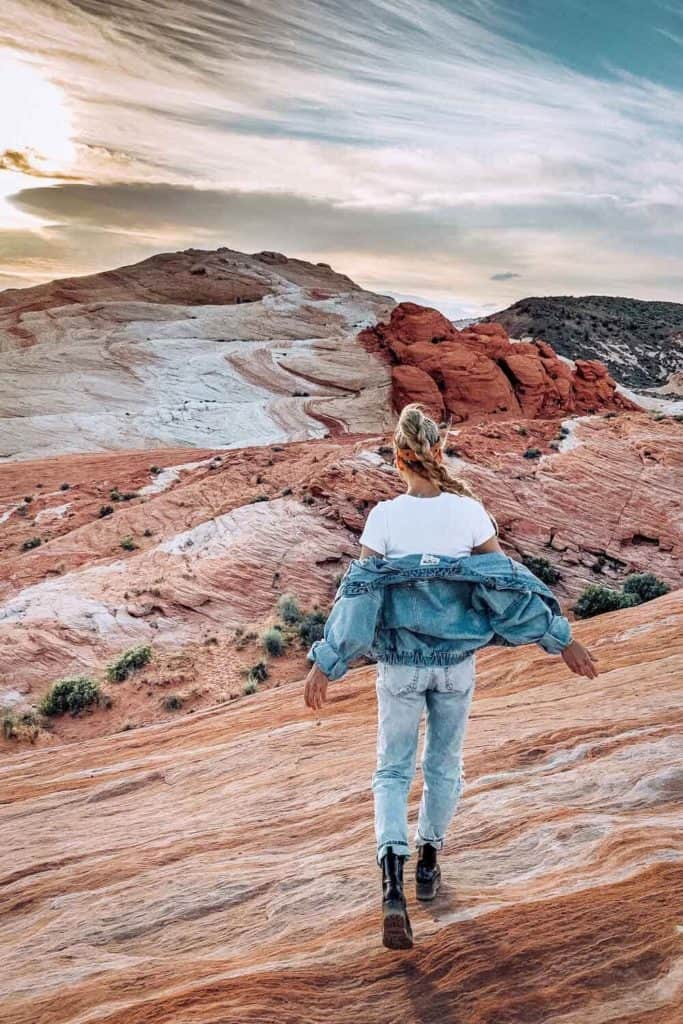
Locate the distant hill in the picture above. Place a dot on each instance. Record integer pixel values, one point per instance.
(641, 342)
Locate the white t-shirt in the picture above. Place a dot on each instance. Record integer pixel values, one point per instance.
(447, 524)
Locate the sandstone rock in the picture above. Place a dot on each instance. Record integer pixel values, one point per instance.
(480, 372)
(412, 384)
(221, 867)
(192, 348)
(609, 496)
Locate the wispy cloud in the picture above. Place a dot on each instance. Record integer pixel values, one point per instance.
(434, 116)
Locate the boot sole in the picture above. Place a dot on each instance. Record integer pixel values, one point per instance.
(427, 890)
(396, 930)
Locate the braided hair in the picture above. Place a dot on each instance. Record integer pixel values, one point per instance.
(416, 438)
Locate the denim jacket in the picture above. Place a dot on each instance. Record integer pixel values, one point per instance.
(436, 610)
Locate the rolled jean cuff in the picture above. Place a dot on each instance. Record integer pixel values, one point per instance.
(436, 843)
(402, 849)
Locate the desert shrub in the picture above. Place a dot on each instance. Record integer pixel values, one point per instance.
(273, 641)
(32, 542)
(289, 609)
(258, 672)
(285, 491)
(128, 544)
(115, 494)
(250, 687)
(155, 470)
(126, 663)
(147, 532)
(173, 702)
(522, 431)
(70, 695)
(64, 487)
(258, 497)
(28, 499)
(596, 599)
(385, 449)
(532, 453)
(645, 585)
(105, 510)
(23, 725)
(9, 724)
(312, 626)
(542, 568)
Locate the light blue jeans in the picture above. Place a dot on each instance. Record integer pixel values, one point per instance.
(403, 693)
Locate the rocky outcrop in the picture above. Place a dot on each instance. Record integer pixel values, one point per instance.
(198, 349)
(221, 867)
(478, 372)
(641, 342)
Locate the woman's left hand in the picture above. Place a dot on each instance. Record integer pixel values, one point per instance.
(315, 690)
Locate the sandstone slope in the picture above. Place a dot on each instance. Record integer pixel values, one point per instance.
(193, 348)
(218, 539)
(221, 868)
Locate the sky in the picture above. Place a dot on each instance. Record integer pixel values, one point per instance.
(464, 154)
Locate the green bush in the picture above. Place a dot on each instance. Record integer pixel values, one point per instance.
(542, 568)
(250, 687)
(258, 672)
(173, 702)
(105, 510)
(32, 542)
(638, 588)
(134, 658)
(70, 695)
(64, 487)
(312, 626)
(645, 585)
(289, 609)
(532, 453)
(596, 599)
(273, 641)
(128, 544)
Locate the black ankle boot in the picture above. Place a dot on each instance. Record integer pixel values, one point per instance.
(396, 931)
(427, 873)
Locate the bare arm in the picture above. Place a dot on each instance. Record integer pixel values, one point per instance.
(488, 547)
(366, 552)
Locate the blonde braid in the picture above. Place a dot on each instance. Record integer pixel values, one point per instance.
(416, 431)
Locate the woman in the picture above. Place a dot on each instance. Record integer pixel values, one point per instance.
(423, 618)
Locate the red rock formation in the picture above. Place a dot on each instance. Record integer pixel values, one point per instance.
(221, 867)
(480, 372)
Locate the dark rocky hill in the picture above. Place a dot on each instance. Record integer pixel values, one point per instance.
(640, 342)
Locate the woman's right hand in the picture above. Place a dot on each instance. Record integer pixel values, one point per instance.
(580, 660)
(315, 689)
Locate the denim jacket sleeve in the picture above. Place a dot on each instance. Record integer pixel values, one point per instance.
(349, 632)
(523, 618)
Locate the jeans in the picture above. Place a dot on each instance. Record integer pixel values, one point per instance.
(403, 692)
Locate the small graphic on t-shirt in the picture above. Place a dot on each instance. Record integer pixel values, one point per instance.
(430, 560)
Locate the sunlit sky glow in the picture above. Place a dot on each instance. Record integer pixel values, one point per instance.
(464, 153)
